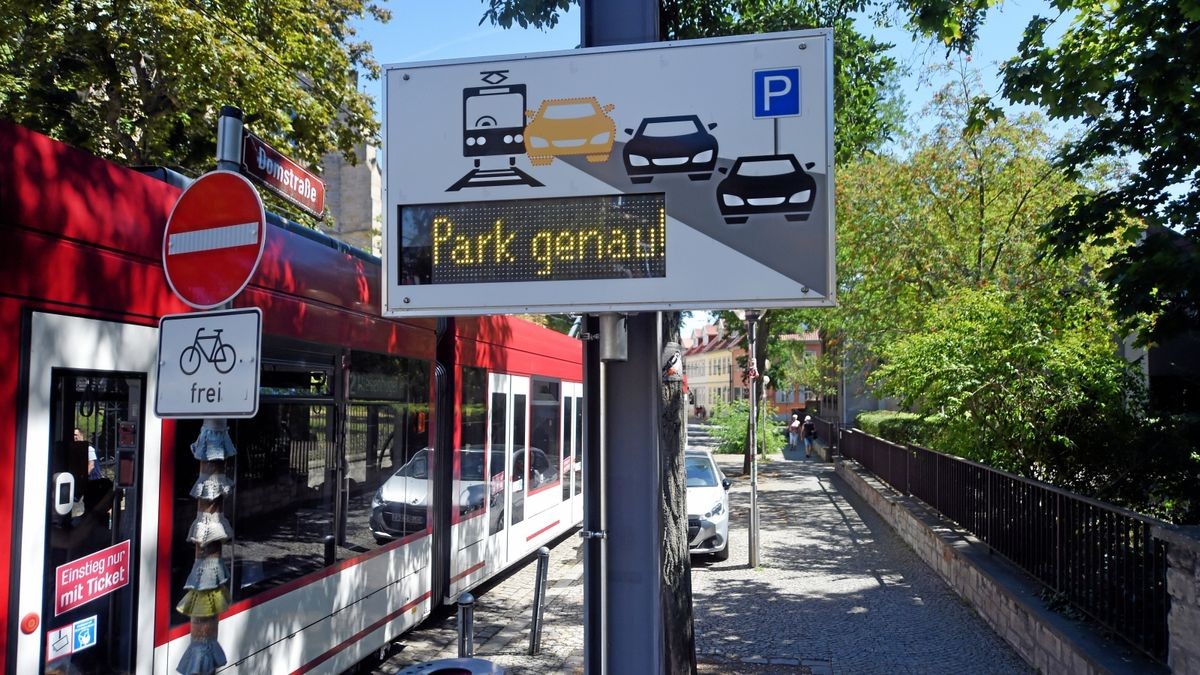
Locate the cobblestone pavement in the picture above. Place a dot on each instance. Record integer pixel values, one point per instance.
(836, 591)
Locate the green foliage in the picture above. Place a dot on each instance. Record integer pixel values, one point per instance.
(866, 109)
(897, 427)
(730, 422)
(1126, 73)
(958, 211)
(143, 81)
(1028, 386)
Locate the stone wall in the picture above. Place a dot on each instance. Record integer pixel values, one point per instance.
(354, 198)
(1183, 585)
(1003, 597)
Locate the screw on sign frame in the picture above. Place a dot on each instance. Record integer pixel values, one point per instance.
(214, 239)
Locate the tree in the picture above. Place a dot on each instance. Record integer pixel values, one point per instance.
(143, 81)
(1024, 383)
(865, 110)
(1125, 72)
(960, 210)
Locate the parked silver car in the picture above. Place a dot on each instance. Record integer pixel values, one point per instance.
(707, 505)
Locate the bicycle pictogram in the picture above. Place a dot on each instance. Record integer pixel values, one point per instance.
(222, 356)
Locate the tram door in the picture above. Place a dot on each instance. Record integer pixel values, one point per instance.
(78, 524)
(508, 425)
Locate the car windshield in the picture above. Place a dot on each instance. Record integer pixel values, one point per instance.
(766, 167)
(569, 111)
(471, 466)
(673, 128)
(700, 472)
(417, 467)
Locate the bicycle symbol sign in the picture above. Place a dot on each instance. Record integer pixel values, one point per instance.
(207, 348)
(208, 364)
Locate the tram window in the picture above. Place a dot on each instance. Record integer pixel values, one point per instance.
(546, 434)
(578, 444)
(497, 479)
(519, 479)
(567, 460)
(282, 507)
(388, 452)
(472, 422)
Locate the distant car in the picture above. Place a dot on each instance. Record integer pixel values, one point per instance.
(707, 505)
(678, 144)
(766, 184)
(569, 126)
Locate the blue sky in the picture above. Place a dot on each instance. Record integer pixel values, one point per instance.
(425, 30)
(428, 30)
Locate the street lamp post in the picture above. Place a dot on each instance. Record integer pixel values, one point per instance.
(751, 318)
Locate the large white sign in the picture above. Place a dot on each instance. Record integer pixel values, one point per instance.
(685, 175)
(208, 364)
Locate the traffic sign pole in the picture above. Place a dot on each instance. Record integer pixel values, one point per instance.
(203, 605)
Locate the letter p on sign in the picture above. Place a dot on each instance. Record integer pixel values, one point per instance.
(777, 92)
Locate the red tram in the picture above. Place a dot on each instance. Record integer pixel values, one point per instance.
(391, 464)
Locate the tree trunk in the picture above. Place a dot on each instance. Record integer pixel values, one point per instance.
(679, 639)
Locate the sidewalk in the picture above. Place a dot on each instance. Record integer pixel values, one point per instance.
(835, 592)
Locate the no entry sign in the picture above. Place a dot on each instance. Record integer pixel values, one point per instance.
(214, 239)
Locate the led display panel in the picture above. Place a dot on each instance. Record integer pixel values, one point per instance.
(563, 239)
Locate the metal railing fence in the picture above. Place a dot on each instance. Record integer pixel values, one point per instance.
(1098, 557)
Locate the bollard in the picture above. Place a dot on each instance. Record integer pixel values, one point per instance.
(539, 600)
(466, 628)
(330, 550)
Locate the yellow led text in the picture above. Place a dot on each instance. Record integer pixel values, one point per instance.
(491, 246)
(550, 247)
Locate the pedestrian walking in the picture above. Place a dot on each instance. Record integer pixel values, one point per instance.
(794, 430)
(810, 434)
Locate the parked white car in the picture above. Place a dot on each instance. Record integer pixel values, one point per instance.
(707, 505)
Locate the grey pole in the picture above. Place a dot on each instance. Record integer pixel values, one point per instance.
(624, 552)
(229, 139)
(466, 625)
(539, 601)
(752, 319)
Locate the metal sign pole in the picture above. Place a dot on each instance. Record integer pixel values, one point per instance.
(629, 415)
(752, 319)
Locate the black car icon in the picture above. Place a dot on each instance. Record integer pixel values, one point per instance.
(676, 144)
(766, 184)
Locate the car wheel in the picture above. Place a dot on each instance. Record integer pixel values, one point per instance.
(722, 555)
(794, 217)
(641, 179)
(736, 220)
(700, 176)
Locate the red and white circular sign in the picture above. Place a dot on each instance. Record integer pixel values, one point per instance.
(214, 239)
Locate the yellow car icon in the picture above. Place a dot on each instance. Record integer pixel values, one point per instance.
(569, 126)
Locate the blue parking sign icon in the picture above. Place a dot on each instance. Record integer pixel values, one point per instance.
(777, 92)
(85, 633)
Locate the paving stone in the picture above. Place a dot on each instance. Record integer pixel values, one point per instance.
(836, 591)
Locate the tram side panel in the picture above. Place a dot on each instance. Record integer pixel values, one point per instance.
(509, 452)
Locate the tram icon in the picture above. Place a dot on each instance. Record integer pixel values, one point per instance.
(494, 126)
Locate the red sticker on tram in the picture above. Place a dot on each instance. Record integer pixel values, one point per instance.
(93, 576)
